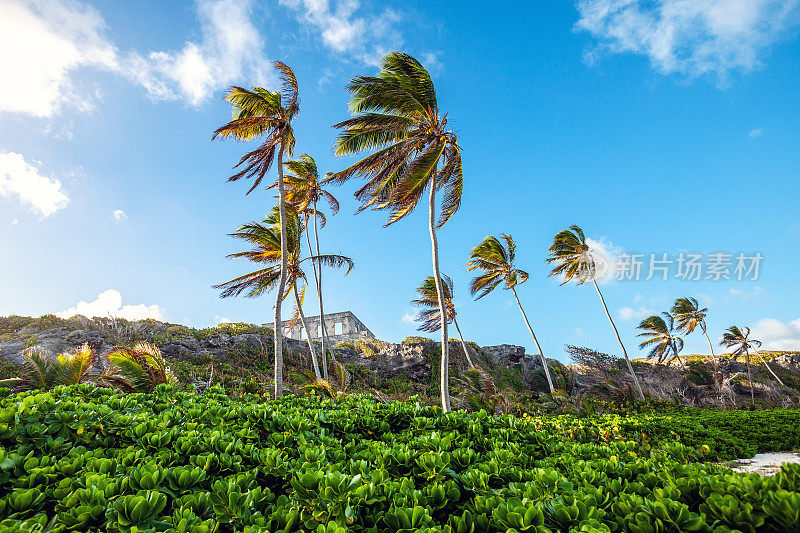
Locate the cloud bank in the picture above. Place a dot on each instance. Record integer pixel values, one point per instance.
(109, 304)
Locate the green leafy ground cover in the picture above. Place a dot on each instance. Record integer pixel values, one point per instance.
(90, 459)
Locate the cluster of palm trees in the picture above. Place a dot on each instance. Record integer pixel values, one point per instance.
(407, 151)
(662, 337)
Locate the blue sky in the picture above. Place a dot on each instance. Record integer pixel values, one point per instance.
(659, 127)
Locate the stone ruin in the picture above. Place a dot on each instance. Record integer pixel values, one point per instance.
(341, 327)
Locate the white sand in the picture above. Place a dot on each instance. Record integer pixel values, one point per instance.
(765, 464)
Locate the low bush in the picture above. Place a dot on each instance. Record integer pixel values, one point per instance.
(82, 458)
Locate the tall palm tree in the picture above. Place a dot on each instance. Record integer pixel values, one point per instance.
(399, 121)
(660, 337)
(574, 260)
(304, 191)
(266, 238)
(262, 114)
(497, 263)
(429, 302)
(689, 316)
(740, 341)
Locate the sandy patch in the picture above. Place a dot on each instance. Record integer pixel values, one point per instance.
(765, 464)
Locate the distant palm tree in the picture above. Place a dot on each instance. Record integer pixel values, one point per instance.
(574, 260)
(497, 263)
(398, 116)
(741, 343)
(660, 338)
(266, 238)
(429, 302)
(304, 191)
(259, 113)
(689, 316)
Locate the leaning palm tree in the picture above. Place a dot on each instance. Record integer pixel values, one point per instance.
(497, 263)
(660, 338)
(740, 341)
(262, 114)
(574, 260)
(399, 121)
(429, 302)
(266, 238)
(689, 316)
(304, 191)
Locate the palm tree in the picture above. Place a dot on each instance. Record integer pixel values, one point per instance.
(138, 369)
(429, 302)
(574, 260)
(398, 117)
(262, 114)
(266, 238)
(740, 341)
(304, 191)
(689, 316)
(40, 369)
(497, 263)
(660, 338)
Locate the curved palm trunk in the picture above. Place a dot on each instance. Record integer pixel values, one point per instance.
(536, 342)
(316, 283)
(311, 349)
(713, 357)
(768, 368)
(463, 344)
(325, 340)
(678, 357)
(624, 351)
(750, 378)
(281, 283)
(718, 378)
(444, 363)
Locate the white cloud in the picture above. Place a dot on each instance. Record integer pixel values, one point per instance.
(231, 50)
(629, 313)
(578, 332)
(109, 303)
(409, 317)
(45, 42)
(221, 320)
(691, 37)
(757, 132)
(41, 43)
(342, 30)
(605, 258)
(756, 295)
(119, 215)
(18, 177)
(777, 335)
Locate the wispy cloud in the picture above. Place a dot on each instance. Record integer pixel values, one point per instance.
(755, 295)
(119, 215)
(410, 317)
(777, 335)
(688, 37)
(109, 303)
(43, 194)
(757, 132)
(629, 313)
(345, 28)
(54, 39)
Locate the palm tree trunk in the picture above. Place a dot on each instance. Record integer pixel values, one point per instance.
(624, 351)
(281, 283)
(444, 363)
(768, 368)
(713, 357)
(536, 342)
(311, 349)
(326, 342)
(678, 357)
(316, 283)
(463, 344)
(750, 378)
(718, 378)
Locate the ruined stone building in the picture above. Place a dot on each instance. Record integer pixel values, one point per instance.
(341, 327)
